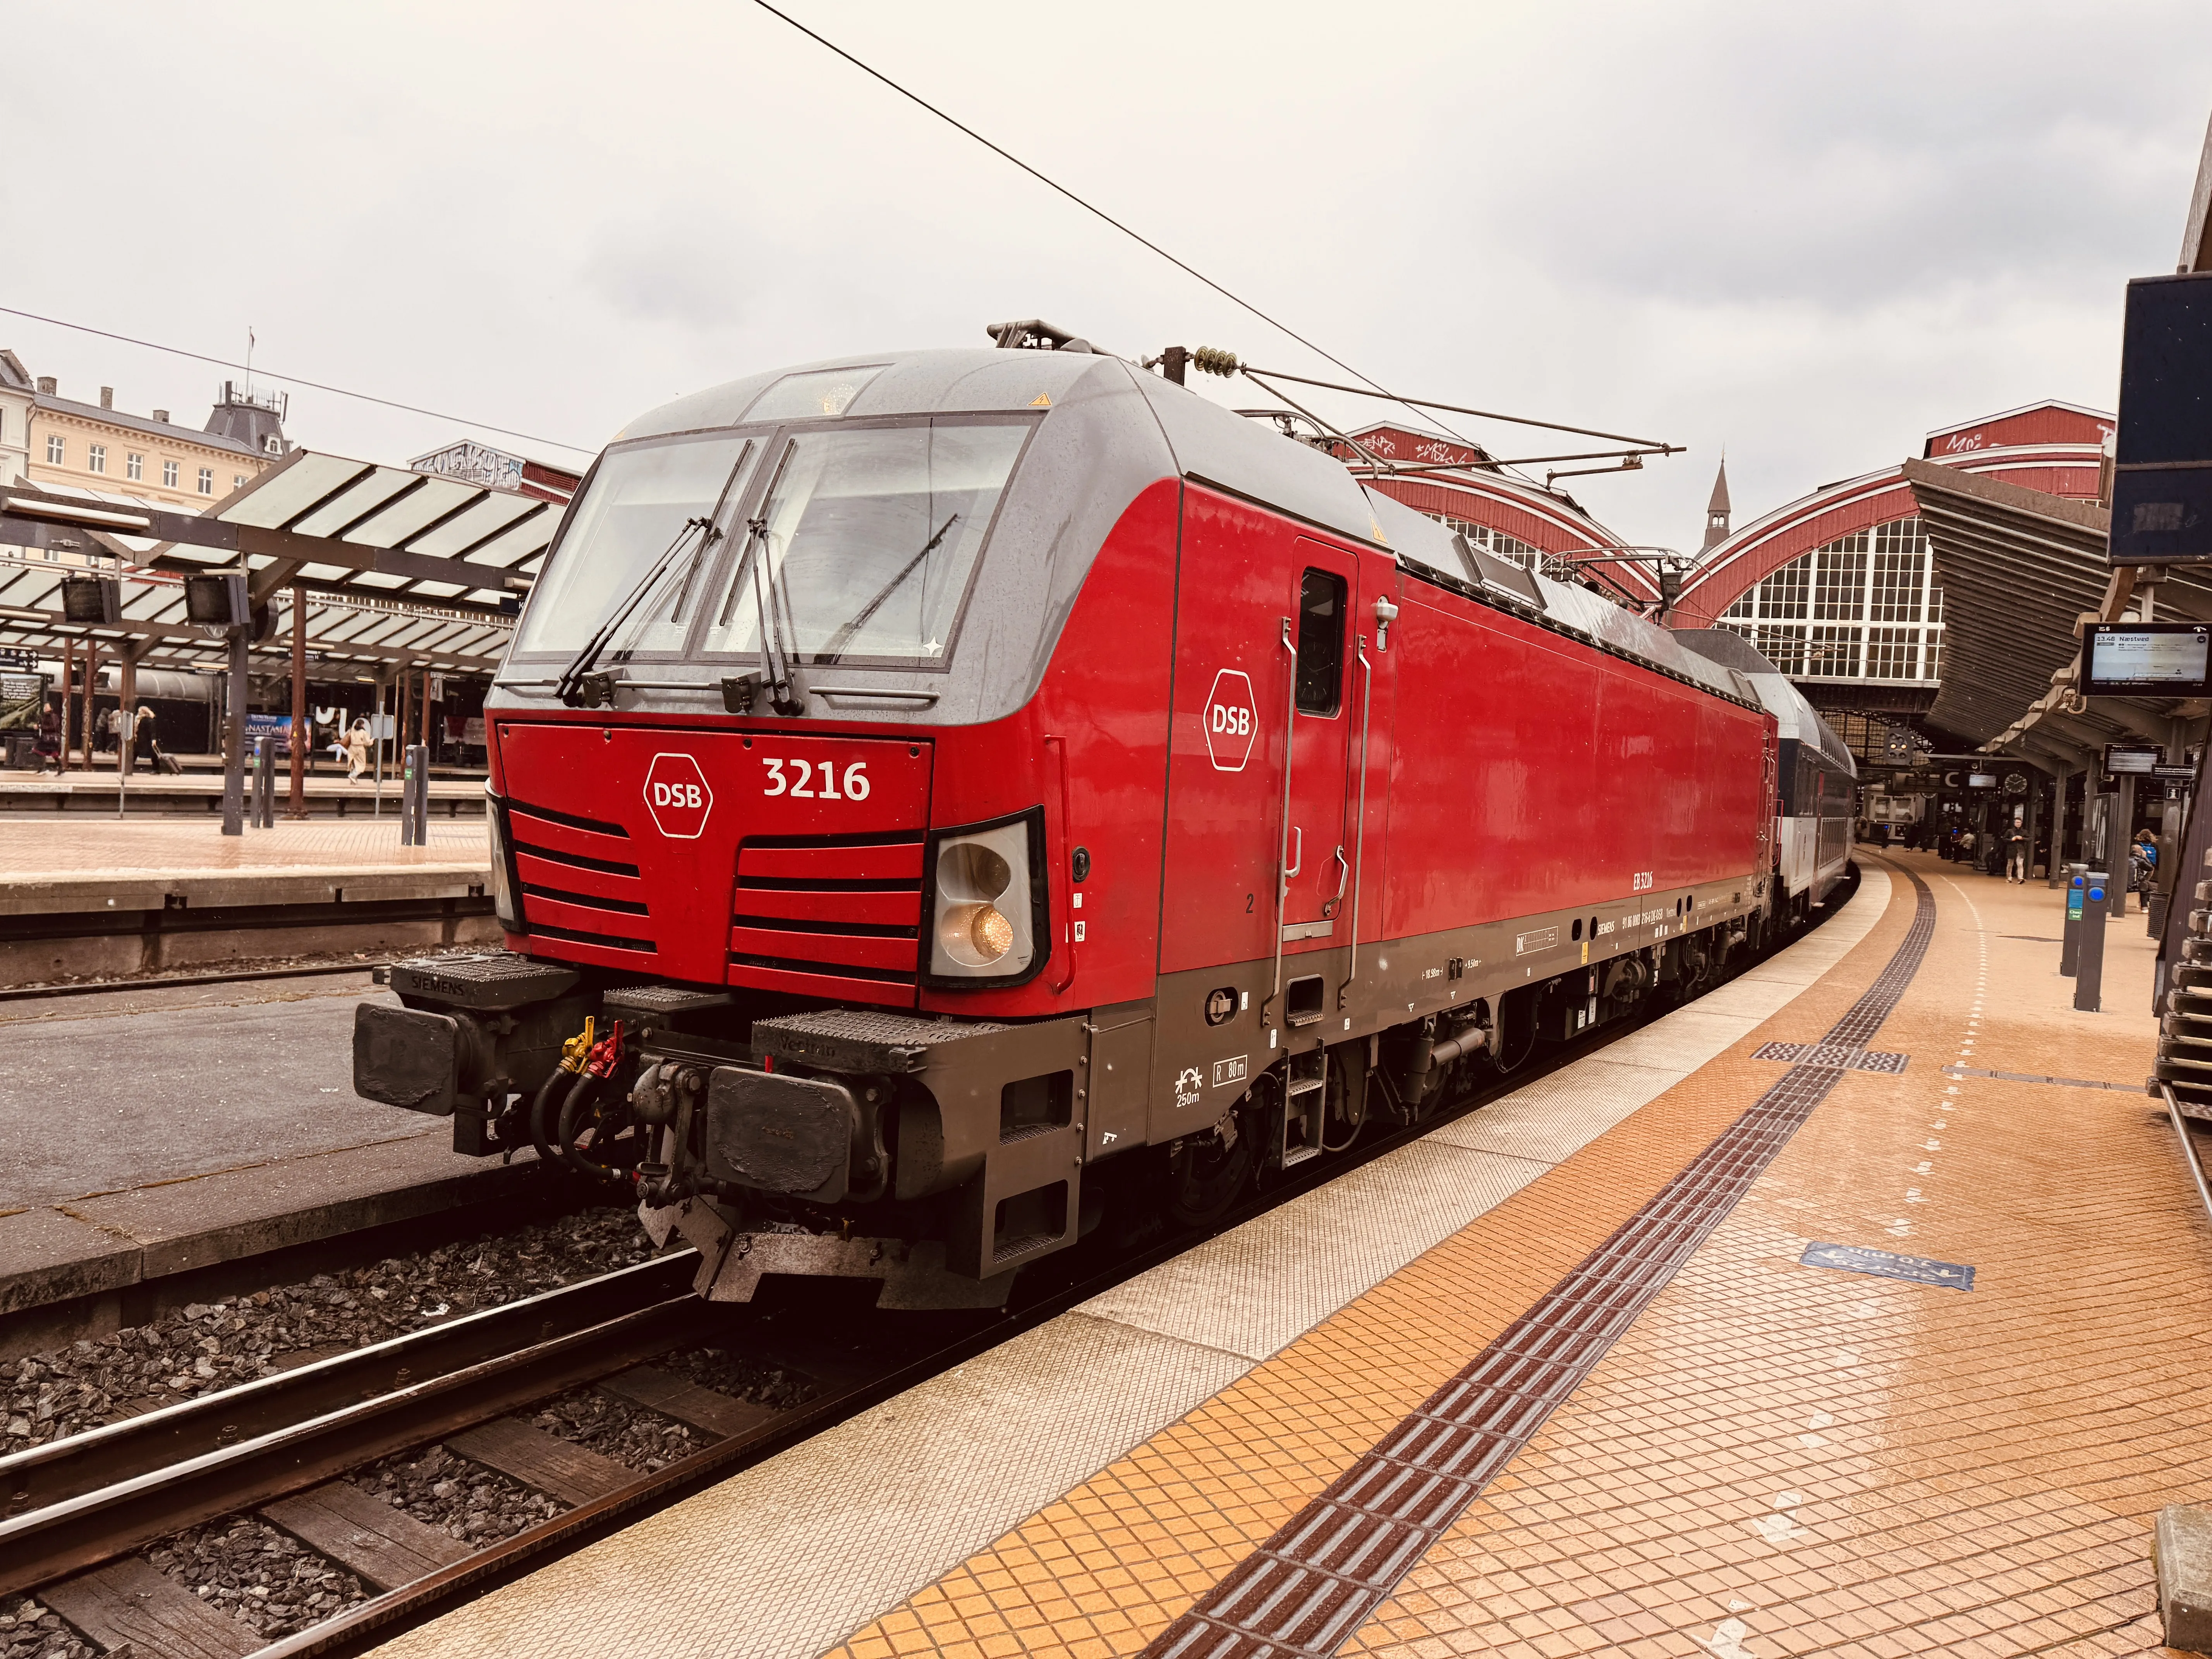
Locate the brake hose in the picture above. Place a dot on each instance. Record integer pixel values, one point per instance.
(543, 1115)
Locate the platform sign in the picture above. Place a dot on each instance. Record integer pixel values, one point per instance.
(277, 728)
(19, 661)
(2162, 453)
(2140, 759)
(22, 700)
(2147, 660)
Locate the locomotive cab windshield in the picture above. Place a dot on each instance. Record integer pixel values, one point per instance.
(831, 544)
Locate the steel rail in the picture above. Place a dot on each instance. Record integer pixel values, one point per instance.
(89, 1498)
(2188, 1146)
(27, 993)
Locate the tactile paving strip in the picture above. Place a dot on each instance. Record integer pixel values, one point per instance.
(1832, 1053)
(1320, 1578)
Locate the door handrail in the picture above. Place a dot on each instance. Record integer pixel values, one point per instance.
(1282, 850)
(1359, 829)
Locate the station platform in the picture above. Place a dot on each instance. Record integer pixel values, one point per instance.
(87, 898)
(241, 1138)
(1673, 1351)
(199, 794)
(43, 851)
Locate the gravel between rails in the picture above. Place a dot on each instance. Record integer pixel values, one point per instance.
(266, 1579)
(28, 1631)
(463, 1499)
(208, 1346)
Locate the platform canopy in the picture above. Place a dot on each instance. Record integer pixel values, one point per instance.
(400, 567)
(2019, 567)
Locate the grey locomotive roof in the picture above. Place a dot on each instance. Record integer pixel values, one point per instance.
(1072, 486)
(1794, 719)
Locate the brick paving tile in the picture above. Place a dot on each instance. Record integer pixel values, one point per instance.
(1840, 1464)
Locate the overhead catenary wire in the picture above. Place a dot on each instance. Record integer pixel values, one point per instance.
(1652, 446)
(1373, 388)
(313, 386)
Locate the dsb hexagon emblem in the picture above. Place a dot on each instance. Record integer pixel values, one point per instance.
(1232, 719)
(677, 795)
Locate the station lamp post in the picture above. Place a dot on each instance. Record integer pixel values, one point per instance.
(218, 599)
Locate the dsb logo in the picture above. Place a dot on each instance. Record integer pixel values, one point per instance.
(1231, 717)
(677, 795)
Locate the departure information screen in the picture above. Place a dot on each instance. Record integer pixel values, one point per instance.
(2147, 660)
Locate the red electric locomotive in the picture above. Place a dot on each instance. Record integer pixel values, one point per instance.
(937, 794)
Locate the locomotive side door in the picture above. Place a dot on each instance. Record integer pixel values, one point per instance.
(1318, 704)
(1266, 670)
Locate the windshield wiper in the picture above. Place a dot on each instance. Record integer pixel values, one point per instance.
(578, 686)
(859, 620)
(775, 659)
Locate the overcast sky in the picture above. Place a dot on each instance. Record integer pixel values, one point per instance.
(1810, 234)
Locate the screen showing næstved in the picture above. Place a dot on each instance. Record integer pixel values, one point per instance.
(2170, 659)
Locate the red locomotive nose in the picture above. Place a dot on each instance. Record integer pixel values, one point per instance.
(786, 863)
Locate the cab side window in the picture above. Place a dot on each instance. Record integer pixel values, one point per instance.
(1321, 642)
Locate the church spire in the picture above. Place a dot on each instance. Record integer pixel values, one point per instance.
(1717, 510)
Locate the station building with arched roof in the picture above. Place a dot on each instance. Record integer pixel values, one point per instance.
(1512, 517)
(1838, 589)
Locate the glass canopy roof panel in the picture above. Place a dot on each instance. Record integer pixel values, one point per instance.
(185, 553)
(282, 494)
(488, 517)
(361, 499)
(410, 512)
(524, 542)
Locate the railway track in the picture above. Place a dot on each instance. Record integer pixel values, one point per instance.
(74, 1512)
(170, 982)
(78, 1509)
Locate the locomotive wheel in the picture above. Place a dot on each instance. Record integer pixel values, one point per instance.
(1205, 1176)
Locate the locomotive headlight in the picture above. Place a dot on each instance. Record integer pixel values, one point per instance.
(505, 886)
(975, 935)
(986, 912)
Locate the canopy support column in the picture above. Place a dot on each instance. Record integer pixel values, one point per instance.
(233, 739)
(297, 808)
(69, 694)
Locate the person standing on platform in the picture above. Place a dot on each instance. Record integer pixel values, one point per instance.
(357, 752)
(49, 746)
(144, 751)
(2016, 854)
